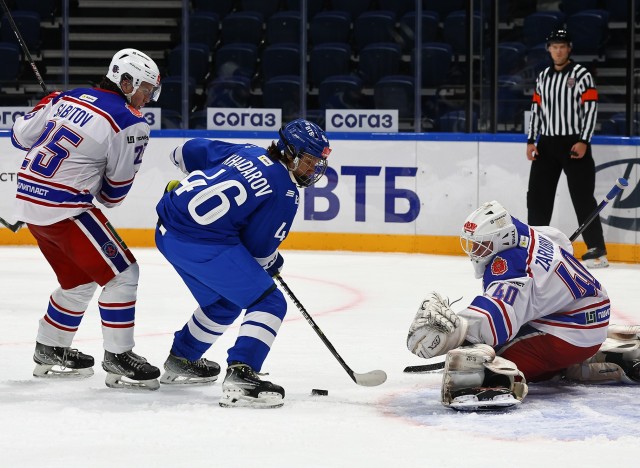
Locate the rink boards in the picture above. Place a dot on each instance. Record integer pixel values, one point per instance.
(385, 192)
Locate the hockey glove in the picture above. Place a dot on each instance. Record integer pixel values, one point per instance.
(171, 185)
(276, 267)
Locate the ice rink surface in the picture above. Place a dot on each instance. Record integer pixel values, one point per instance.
(364, 304)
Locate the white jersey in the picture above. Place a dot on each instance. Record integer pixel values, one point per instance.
(541, 284)
(85, 143)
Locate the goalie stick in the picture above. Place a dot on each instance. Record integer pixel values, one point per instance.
(17, 225)
(368, 379)
(619, 186)
(621, 183)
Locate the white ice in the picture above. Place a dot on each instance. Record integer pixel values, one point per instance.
(364, 304)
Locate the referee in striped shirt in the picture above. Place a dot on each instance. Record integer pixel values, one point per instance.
(564, 108)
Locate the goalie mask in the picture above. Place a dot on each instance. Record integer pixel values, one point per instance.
(486, 232)
(304, 144)
(136, 67)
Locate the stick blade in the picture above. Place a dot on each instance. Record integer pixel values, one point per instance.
(424, 368)
(370, 379)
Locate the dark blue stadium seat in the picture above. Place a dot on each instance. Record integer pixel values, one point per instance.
(537, 59)
(570, 7)
(204, 27)
(236, 60)
(45, 8)
(354, 7)
(588, 30)
(10, 58)
(283, 26)
(455, 31)
(378, 60)
(537, 26)
(395, 92)
(280, 59)
(436, 63)
(198, 120)
(198, 61)
(618, 9)
(242, 27)
(170, 119)
(399, 7)
(283, 92)
(330, 26)
(443, 7)
(617, 125)
(512, 102)
(221, 7)
(328, 59)
(171, 95)
(28, 23)
(265, 7)
(407, 25)
(511, 57)
(313, 6)
(455, 121)
(372, 27)
(341, 92)
(233, 91)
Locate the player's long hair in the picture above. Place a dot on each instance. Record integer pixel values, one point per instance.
(109, 85)
(274, 153)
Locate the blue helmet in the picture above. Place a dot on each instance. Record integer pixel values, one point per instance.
(300, 137)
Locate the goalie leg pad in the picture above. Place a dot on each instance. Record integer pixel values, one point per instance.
(435, 329)
(475, 379)
(617, 361)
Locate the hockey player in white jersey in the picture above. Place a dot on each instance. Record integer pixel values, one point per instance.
(541, 315)
(220, 228)
(83, 145)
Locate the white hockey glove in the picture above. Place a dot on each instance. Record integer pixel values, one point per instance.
(475, 379)
(436, 328)
(617, 361)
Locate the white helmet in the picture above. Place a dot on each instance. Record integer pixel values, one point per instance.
(486, 232)
(133, 65)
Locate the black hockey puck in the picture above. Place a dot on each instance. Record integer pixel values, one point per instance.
(319, 392)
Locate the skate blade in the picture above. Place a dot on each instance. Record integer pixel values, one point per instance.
(600, 262)
(120, 381)
(169, 378)
(471, 403)
(55, 371)
(237, 399)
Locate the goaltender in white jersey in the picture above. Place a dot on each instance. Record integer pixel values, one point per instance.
(542, 314)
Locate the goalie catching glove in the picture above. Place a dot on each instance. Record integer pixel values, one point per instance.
(435, 329)
(475, 379)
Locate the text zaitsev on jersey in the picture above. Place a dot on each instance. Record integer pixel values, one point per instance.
(251, 173)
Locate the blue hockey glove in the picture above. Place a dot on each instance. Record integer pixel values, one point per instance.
(276, 267)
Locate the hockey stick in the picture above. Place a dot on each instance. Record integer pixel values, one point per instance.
(17, 225)
(25, 49)
(621, 183)
(424, 368)
(368, 379)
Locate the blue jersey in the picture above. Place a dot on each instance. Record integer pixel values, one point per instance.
(234, 194)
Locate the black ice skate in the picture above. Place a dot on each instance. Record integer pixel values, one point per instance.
(180, 370)
(596, 258)
(54, 361)
(128, 370)
(242, 387)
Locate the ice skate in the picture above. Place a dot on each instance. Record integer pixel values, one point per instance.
(595, 258)
(242, 387)
(128, 370)
(55, 361)
(180, 370)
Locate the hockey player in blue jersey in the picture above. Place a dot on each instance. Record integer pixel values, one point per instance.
(220, 228)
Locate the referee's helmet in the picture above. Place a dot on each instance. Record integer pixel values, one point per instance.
(559, 36)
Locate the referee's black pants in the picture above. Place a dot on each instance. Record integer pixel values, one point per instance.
(553, 158)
